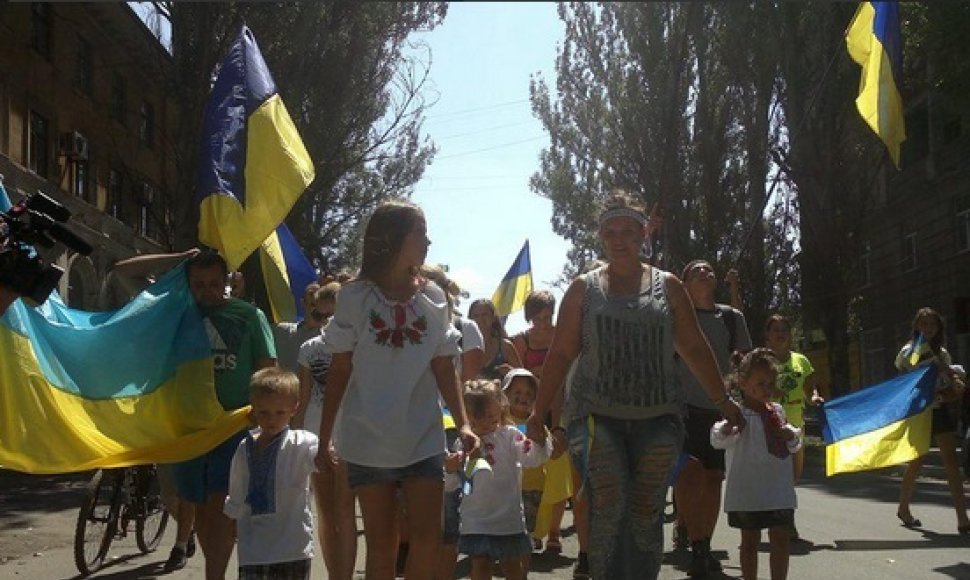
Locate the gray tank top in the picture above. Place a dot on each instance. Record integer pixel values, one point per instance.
(626, 367)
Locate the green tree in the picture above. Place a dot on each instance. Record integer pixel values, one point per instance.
(673, 102)
(347, 73)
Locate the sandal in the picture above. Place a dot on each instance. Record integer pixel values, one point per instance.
(910, 522)
(553, 545)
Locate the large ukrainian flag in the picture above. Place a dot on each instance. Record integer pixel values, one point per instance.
(254, 166)
(287, 273)
(516, 285)
(874, 40)
(882, 425)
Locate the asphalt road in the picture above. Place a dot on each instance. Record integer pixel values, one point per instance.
(847, 523)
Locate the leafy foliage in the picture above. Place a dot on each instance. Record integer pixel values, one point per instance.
(348, 74)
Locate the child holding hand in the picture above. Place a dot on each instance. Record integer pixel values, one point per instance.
(492, 520)
(269, 483)
(760, 491)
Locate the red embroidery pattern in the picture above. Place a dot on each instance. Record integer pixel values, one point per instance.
(395, 337)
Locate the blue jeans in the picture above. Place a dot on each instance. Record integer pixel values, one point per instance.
(629, 462)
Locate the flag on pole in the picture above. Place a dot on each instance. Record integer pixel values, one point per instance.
(516, 285)
(287, 273)
(874, 41)
(882, 425)
(254, 166)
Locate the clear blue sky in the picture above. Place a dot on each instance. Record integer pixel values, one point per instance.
(476, 193)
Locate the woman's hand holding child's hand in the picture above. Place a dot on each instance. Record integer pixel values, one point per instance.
(453, 461)
(469, 441)
(326, 456)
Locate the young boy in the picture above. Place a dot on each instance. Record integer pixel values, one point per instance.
(269, 483)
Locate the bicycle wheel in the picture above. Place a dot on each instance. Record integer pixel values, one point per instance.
(97, 521)
(151, 517)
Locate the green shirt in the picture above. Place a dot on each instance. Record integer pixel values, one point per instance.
(239, 335)
(791, 379)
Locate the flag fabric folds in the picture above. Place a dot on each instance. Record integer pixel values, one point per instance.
(874, 41)
(254, 165)
(287, 273)
(882, 425)
(516, 285)
(81, 390)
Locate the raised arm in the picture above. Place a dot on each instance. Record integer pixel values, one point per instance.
(149, 264)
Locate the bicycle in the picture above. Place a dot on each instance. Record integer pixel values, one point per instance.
(113, 499)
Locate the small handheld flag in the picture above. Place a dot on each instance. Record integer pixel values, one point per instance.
(916, 351)
(254, 166)
(516, 285)
(475, 465)
(874, 40)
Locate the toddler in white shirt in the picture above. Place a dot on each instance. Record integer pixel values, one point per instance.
(492, 519)
(760, 491)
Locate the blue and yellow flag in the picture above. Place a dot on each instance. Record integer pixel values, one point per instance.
(287, 273)
(516, 285)
(882, 425)
(874, 40)
(80, 390)
(254, 166)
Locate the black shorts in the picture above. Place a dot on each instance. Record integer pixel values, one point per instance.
(761, 520)
(944, 420)
(697, 424)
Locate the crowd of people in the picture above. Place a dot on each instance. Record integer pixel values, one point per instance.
(457, 439)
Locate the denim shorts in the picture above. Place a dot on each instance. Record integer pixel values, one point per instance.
(496, 547)
(449, 531)
(429, 468)
(197, 479)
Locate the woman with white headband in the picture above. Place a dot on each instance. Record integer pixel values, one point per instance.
(624, 321)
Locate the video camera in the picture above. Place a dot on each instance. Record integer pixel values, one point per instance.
(37, 219)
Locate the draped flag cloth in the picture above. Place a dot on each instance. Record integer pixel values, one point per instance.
(287, 273)
(515, 286)
(874, 41)
(882, 425)
(254, 166)
(81, 390)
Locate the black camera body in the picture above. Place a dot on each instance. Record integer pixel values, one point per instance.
(37, 220)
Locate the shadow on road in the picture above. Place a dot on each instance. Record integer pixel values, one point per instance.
(22, 493)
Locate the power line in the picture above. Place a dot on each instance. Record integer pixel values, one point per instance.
(485, 130)
(494, 147)
(477, 109)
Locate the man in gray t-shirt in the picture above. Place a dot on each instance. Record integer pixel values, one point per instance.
(699, 483)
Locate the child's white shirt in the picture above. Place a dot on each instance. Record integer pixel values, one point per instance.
(756, 479)
(285, 533)
(494, 507)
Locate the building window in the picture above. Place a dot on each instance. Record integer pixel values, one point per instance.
(82, 179)
(963, 230)
(40, 33)
(874, 364)
(146, 128)
(119, 99)
(113, 204)
(909, 252)
(38, 144)
(84, 63)
(145, 197)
